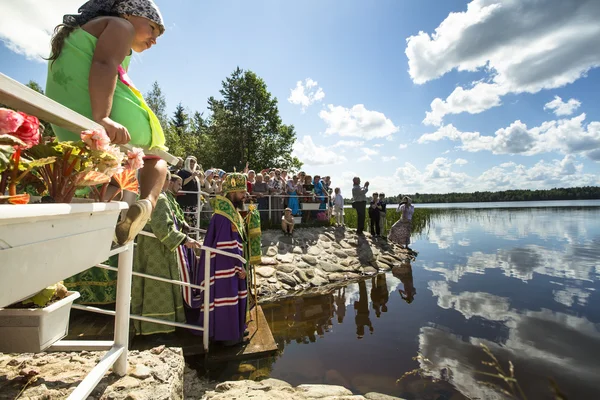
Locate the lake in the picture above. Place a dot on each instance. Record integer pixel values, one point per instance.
(522, 281)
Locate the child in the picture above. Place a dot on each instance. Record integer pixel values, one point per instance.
(287, 222)
(374, 213)
(338, 207)
(382, 215)
(87, 72)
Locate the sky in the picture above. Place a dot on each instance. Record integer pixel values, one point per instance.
(422, 96)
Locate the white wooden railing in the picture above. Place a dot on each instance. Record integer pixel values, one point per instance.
(22, 98)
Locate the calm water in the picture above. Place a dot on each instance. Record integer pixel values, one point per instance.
(522, 281)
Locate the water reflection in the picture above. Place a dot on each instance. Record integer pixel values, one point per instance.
(524, 282)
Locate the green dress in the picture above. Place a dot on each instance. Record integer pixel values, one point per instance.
(68, 80)
(156, 256)
(67, 83)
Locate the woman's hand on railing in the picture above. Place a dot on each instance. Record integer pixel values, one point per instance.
(242, 274)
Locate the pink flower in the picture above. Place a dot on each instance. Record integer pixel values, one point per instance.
(135, 158)
(10, 121)
(29, 131)
(113, 166)
(96, 139)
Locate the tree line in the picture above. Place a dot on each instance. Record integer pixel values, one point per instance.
(242, 126)
(575, 193)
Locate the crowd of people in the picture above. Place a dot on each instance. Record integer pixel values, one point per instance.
(277, 194)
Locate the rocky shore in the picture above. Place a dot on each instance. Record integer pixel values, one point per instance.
(316, 258)
(156, 374)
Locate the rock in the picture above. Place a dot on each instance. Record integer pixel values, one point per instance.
(286, 279)
(329, 267)
(29, 372)
(324, 238)
(272, 280)
(310, 272)
(321, 391)
(141, 372)
(369, 271)
(297, 250)
(265, 272)
(158, 350)
(271, 251)
(285, 258)
(127, 382)
(325, 245)
(301, 275)
(275, 383)
(303, 265)
(345, 263)
(268, 261)
(312, 260)
(379, 396)
(314, 251)
(387, 259)
(381, 266)
(287, 268)
(340, 254)
(335, 245)
(244, 368)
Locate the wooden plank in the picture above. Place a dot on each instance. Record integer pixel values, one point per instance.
(22, 98)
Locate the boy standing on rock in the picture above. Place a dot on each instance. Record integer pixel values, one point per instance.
(374, 214)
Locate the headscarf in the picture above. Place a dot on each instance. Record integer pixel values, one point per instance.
(96, 8)
(187, 164)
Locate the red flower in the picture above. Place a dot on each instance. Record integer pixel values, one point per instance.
(29, 131)
(10, 121)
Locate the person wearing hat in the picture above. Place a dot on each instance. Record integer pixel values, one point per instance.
(228, 294)
(400, 232)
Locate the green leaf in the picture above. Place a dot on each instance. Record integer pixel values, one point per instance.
(6, 153)
(11, 140)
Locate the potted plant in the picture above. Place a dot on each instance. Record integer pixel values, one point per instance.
(34, 324)
(56, 238)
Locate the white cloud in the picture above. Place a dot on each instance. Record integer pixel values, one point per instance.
(443, 175)
(460, 161)
(565, 136)
(387, 159)
(26, 26)
(305, 94)
(349, 143)
(557, 46)
(311, 154)
(402, 146)
(357, 122)
(369, 152)
(560, 108)
(378, 145)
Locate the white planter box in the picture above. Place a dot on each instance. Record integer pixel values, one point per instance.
(297, 220)
(41, 244)
(311, 206)
(31, 330)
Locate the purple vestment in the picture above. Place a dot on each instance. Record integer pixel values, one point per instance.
(228, 293)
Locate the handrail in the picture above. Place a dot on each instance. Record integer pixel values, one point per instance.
(22, 98)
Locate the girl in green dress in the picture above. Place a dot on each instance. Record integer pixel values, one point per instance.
(87, 72)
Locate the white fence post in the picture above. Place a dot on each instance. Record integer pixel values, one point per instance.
(122, 308)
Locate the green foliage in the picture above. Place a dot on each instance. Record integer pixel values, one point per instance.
(575, 193)
(247, 126)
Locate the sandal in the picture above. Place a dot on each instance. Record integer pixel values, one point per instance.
(135, 220)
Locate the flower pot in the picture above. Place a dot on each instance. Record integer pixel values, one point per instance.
(31, 330)
(41, 244)
(311, 206)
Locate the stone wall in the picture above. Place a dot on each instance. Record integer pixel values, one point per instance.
(318, 257)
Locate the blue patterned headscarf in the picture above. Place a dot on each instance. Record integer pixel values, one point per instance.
(96, 8)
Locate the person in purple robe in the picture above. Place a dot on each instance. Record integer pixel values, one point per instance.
(228, 285)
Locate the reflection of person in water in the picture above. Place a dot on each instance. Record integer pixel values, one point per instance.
(340, 304)
(362, 311)
(379, 294)
(404, 273)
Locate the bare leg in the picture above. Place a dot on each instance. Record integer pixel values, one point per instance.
(152, 179)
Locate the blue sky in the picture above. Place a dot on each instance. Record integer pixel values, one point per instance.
(414, 96)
